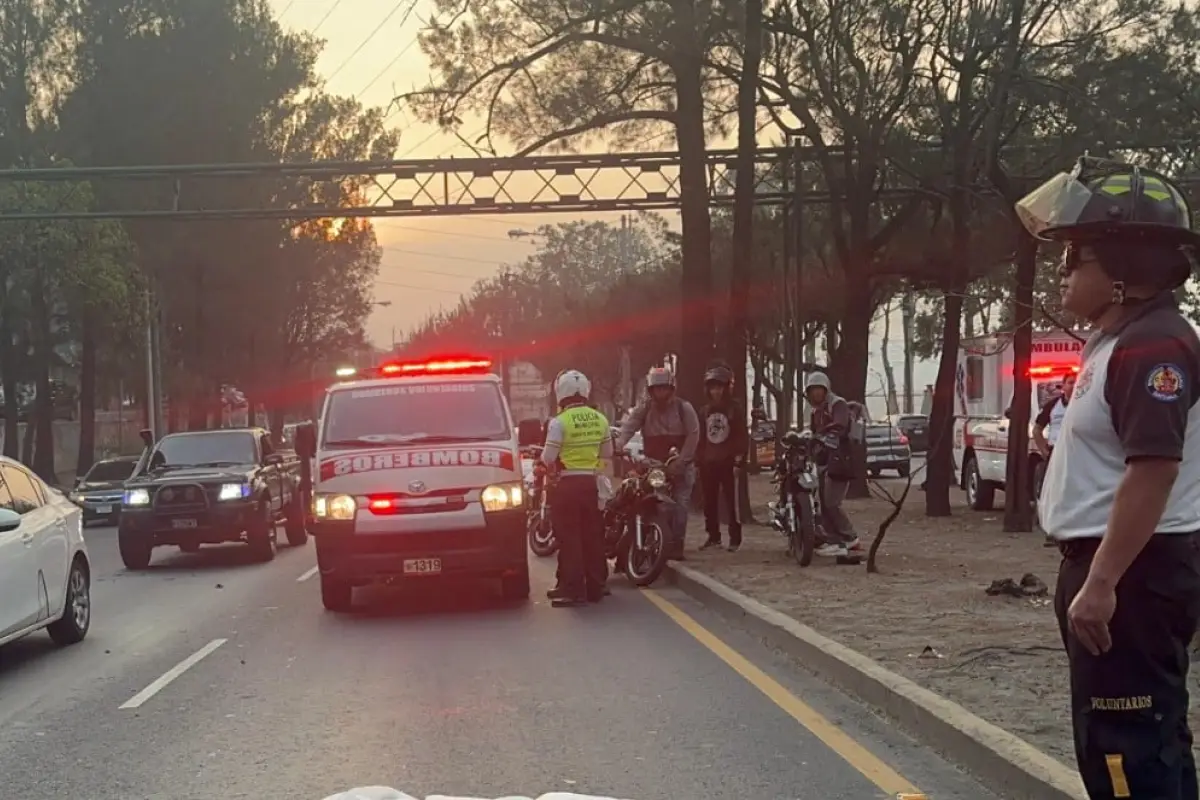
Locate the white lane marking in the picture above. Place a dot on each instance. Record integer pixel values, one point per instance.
(170, 675)
(307, 575)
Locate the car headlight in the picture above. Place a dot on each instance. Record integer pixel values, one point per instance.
(136, 497)
(75, 497)
(656, 478)
(334, 506)
(502, 496)
(234, 491)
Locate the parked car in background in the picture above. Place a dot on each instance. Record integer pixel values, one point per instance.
(887, 449)
(916, 428)
(44, 571)
(99, 492)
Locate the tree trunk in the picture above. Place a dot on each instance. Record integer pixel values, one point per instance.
(12, 402)
(889, 374)
(87, 394)
(743, 222)
(908, 310)
(43, 352)
(940, 460)
(697, 323)
(1018, 504)
(849, 369)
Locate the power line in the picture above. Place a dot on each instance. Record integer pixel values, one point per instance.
(328, 14)
(399, 285)
(384, 71)
(395, 10)
(286, 9)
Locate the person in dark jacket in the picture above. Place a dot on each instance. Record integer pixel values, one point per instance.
(721, 451)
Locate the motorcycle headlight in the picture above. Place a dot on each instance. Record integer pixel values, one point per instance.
(334, 506)
(234, 491)
(502, 496)
(136, 497)
(656, 478)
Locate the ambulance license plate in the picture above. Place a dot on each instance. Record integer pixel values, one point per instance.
(422, 566)
(183, 524)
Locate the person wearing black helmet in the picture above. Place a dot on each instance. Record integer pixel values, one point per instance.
(1121, 496)
(720, 453)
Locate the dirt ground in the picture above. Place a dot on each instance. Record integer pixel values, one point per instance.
(925, 615)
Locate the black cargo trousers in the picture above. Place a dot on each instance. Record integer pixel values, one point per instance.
(575, 514)
(1129, 706)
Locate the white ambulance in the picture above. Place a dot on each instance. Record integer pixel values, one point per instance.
(416, 475)
(983, 392)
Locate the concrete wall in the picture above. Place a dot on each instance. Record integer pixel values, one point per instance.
(114, 436)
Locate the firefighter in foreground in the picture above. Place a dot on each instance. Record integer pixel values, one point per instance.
(1122, 492)
(576, 441)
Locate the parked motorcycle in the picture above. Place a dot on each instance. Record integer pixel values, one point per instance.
(797, 515)
(635, 520)
(538, 525)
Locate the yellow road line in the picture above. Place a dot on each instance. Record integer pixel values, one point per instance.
(836, 739)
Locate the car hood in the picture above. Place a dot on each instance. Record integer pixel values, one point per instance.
(100, 486)
(191, 475)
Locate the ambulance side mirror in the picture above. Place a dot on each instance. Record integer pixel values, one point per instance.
(306, 440)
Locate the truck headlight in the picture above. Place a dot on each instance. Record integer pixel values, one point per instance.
(334, 506)
(75, 497)
(234, 491)
(136, 497)
(656, 478)
(502, 496)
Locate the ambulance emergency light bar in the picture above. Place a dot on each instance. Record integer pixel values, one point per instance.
(451, 365)
(1053, 370)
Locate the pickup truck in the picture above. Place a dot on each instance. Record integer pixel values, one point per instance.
(210, 487)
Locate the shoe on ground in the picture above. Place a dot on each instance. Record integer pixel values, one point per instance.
(711, 543)
(831, 550)
(555, 593)
(568, 602)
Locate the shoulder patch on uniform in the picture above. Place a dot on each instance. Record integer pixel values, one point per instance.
(1083, 383)
(1165, 382)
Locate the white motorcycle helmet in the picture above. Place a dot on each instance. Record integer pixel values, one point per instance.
(571, 383)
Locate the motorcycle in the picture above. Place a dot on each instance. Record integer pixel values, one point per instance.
(635, 520)
(798, 514)
(538, 525)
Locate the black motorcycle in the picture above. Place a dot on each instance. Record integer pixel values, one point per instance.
(636, 520)
(797, 514)
(537, 510)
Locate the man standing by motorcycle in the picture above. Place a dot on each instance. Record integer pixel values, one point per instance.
(577, 440)
(831, 417)
(667, 421)
(720, 454)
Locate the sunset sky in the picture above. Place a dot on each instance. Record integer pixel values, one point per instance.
(372, 53)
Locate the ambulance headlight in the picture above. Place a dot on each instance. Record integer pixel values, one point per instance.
(334, 507)
(502, 496)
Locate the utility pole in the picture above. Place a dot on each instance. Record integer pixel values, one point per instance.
(154, 377)
(908, 315)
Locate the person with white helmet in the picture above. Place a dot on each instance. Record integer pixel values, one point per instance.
(831, 416)
(577, 440)
(667, 421)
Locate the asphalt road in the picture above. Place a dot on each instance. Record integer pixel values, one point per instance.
(441, 691)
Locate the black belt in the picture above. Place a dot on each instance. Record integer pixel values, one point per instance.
(1087, 546)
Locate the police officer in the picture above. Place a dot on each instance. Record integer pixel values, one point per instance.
(667, 421)
(576, 441)
(1122, 493)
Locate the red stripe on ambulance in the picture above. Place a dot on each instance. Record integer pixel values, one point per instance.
(417, 459)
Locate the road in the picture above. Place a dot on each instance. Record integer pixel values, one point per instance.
(646, 696)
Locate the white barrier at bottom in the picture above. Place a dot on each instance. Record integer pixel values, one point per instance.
(387, 793)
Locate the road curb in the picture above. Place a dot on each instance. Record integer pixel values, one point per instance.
(1009, 765)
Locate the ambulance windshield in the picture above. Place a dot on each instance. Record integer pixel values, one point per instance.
(412, 411)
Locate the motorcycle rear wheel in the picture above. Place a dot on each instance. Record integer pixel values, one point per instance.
(644, 568)
(542, 540)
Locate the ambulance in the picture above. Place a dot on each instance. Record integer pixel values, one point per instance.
(416, 475)
(983, 387)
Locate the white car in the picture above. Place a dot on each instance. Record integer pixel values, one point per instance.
(45, 574)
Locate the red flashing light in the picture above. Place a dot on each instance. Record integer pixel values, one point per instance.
(445, 366)
(1050, 370)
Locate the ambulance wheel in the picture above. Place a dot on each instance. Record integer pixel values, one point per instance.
(981, 494)
(337, 595)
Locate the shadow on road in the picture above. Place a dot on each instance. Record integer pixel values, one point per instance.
(434, 599)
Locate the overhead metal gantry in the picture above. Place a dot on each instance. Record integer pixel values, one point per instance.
(417, 188)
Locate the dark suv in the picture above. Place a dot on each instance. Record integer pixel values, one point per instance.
(99, 492)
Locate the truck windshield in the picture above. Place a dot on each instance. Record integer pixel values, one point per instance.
(215, 447)
(444, 412)
(110, 471)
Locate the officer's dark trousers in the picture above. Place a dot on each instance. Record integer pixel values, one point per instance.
(1129, 706)
(719, 478)
(582, 569)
